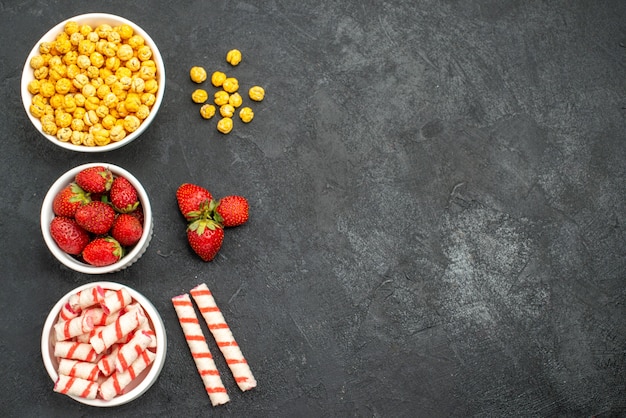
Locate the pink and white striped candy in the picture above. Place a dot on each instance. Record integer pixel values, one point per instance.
(100, 317)
(67, 313)
(75, 351)
(200, 350)
(81, 369)
(223, 337)
(115, 301)
(117, 330)
(145, 327)
(107, 363)
(86, 298)
(116, 383)
(130, 351)
(84, 338)
(73, 327)
(76, 386)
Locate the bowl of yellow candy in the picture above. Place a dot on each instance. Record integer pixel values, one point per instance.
(93, 83)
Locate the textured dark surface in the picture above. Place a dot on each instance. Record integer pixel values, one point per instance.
(437, 208)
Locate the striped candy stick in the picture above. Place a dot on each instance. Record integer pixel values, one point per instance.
(100, 317)
(116, 383)
(130, 351)
(107, 363)
(223, 337)
(113, 332)
(75, 351)
(200, 350)
(145, 328)
(132, 306)
(86, 298)
(67, 313)
(73, 327)
(115, 301)
(81, 369)
(84, 338)
(75, 386)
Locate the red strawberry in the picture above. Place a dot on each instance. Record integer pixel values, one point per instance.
(231, 211)
(192, 200)
(96, 217)
(100, 197)
(126, 229)
(103, 252)
(138, 213)
(68, 235)
(205, 237)
(97, 179)
(69, 199)
(123, 195)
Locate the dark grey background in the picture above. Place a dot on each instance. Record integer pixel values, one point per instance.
(437, 195)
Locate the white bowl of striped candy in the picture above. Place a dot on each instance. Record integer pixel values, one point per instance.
(93, 377)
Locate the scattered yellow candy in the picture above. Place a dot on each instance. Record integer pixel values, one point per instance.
(207, 111)
(225, 125)
(221, 97)
(197, 74)
(233, 57)
(230, 85)
(227, 111)
(228, 99)
(256, 93)
(199, 96)
(246, 114)
(217, 78)
(235, 100)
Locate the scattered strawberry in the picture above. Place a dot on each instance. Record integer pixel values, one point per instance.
(205, 237)
(103, 252)
(97, 179)
(68, 235)
(123, 195)
(192, 200)
(126, 229)
(96, 217)
(231, 211)
(69, 199)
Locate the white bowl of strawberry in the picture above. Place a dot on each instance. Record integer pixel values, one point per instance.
(96, 218)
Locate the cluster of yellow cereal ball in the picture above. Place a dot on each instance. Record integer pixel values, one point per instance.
(228, 99)
(93, 86)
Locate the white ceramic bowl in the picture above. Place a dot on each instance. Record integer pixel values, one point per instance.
(143, 381)
(47, 214)
(94, 19)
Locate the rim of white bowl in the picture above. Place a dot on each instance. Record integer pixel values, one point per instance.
(47, 215)
(150, 374)
(92, 19)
